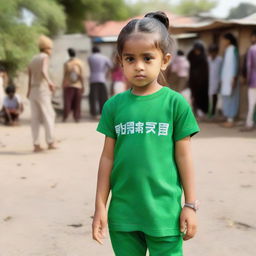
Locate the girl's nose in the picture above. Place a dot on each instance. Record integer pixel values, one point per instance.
(139, 66)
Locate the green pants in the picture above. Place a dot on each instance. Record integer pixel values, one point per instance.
(136, 243)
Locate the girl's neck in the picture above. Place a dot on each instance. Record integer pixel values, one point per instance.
(146, 90)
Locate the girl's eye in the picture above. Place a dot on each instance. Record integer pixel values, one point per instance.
(129, 59)
(147, 58)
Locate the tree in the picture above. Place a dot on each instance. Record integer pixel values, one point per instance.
(185, 7)
(99, 10)
(145, 6)
(189, 7)
(241, 11)
(18, 38)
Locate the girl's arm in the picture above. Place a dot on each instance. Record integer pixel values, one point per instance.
(103, 188)
(183, 156)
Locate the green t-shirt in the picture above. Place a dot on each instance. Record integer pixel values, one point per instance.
(145, 183)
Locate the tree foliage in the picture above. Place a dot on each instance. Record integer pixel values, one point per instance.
(189, 7)
(184, 7)
(242, 10)
(19, 39)
(100, 10)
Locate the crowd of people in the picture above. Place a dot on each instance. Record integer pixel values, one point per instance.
(207, 79)
(212, 78)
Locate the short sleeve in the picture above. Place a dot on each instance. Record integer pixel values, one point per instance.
(5, 101)
(18, 98)
(184, 124)
(106, 123)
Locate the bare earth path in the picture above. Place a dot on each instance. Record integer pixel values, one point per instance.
(47, 199)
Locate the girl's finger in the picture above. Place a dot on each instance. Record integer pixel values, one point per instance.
(96, 234)
(182, 225)
(190, 231)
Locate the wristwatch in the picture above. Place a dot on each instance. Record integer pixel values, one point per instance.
(194, 206)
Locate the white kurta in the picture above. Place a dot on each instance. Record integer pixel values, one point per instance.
(229, 71)
(40, 101)
(230, 95)
(214, 74)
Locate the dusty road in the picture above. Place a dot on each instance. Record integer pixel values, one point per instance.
(47, 199)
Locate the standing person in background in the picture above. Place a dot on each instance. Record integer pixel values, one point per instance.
(99, 67)
(180, 66)
(251, 80)
(73, 86)
(199, 79)
(215, 62)
(40, 89)
(229, 80)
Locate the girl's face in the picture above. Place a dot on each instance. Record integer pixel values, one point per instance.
(142, 61)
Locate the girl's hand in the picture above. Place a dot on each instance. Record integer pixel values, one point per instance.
(188, 223)
(99, 224)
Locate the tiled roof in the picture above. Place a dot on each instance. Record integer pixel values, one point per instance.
(113, 28)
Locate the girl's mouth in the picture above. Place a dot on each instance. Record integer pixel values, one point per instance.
(140, 77)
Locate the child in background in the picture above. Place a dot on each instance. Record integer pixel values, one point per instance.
(146, 160)
(214, 62)
(180, 66)
(12, 106)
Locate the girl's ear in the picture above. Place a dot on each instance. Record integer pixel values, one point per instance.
(166, 61)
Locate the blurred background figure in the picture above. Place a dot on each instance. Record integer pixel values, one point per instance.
(214, 62)
(40, 89)
(118, 80)
(2, 86)
(73, 86)
(251, 81)
(199, 79)
(99, 66)
(229, 80)
(12, 106)
(180, 66)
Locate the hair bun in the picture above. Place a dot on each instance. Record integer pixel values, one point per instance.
(160, 16)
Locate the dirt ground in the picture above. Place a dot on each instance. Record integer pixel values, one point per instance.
(47, 199)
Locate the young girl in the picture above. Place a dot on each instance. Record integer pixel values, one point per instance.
(146, 159)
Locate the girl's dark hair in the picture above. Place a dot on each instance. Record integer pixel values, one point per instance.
(153, 22)
(231, 38)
